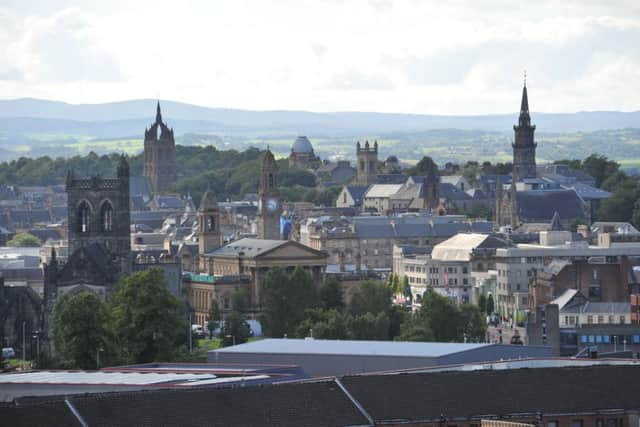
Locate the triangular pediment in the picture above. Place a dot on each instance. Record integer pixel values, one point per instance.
(292, 249)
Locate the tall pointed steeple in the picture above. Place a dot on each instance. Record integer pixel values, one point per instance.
(524, 146)
(158, 113)
(525, 118)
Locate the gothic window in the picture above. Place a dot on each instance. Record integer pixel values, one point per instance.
(271, 185)
(106, 217)
(372, 167)
(211, 223)
(361, 165)
(84, 213)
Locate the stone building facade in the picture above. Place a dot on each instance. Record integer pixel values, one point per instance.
(160, 155)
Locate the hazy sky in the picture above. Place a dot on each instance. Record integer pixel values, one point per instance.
(417, 56)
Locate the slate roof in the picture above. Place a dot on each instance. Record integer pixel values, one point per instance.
(391, 178)
(140, 186)
(357, 192)
(391, 227)
(588, 192)
(169, 202)
(540, 206)
(451, 192)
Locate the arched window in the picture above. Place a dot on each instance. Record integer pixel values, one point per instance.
(271, 184)
(211, 223)
(106, 217)
(84, 213)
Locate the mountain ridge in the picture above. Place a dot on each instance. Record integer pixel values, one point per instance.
(306, 122)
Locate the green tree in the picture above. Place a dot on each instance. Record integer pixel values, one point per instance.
(599, 167)
(482, 303)
(324, 324)
(426, 166)
(24, 240)
(416, 328)
(471, 323)
(331, 294)
(235, 329)
(370, 297)
(284, 301)
(146, 322)
(620, 206)
(442, 316)
(80, 330)
(213, 317)
(490, 305)
(369, 326)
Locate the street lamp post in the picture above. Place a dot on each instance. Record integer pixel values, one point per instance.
(24, 344)
(100, 349)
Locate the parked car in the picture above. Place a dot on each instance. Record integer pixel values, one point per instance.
(8, 353)
(197, 330)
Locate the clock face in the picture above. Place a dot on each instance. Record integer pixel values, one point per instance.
(272, 204)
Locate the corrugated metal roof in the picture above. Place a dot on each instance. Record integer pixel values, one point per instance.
(355, 348)
(382, 190)
(80, 377)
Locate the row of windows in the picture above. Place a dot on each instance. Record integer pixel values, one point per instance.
(610, 339)
(517, 273)
(599, 319)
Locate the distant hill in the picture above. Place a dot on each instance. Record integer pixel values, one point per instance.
(33, 127)
(129, 117)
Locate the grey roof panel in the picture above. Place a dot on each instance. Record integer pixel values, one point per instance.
(356, 348)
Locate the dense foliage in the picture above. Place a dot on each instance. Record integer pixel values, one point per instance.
(80, 330)
(24, 240)
(291, 307)
(231, 173)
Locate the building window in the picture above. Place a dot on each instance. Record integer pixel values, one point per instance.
(612, 319)
(576, 423)
(622, 320)
(106, 217)
(552, 424)
(464, 270)
(84, 213)
(589, 319)
(600, 319)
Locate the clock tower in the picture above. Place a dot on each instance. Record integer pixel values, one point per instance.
(269, 201)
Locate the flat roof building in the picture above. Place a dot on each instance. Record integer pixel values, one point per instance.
(339, 357)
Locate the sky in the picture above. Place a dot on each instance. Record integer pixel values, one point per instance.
(459, 57)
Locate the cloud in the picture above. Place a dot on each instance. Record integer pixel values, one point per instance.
(319, 50)
(354, 79)
(58, 48)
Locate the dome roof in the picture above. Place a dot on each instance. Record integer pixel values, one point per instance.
(302, 145)
(392, 159)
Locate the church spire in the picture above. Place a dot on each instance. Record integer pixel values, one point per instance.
(158, 113)
(525, 118)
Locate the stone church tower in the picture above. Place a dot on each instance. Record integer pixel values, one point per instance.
(367, 163)
(524, 147)
(160, 155)
(98, 212)
(269, 200)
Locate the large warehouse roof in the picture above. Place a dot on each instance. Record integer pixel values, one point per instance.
(355, 348)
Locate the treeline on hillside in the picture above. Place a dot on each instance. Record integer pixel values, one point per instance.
(624, 204)
(230, 173)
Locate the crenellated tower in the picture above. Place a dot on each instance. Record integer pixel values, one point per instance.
(367, 163)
